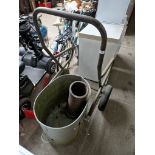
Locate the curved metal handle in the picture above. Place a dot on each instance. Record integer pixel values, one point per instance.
(73, 16)
(80, 18)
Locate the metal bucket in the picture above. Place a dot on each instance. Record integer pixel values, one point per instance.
(49, 110)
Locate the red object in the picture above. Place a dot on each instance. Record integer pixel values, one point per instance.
(56, 53)
(46, 80)
(29, 114)
(48, 5)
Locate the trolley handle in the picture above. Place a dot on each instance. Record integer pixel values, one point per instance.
(80, 18)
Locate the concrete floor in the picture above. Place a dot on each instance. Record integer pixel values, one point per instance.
(111, 132)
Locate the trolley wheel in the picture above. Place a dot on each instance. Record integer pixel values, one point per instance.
(51, 68)
(104, 98)
(24, 103)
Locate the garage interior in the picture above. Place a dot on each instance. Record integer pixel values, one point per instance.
(108, 132)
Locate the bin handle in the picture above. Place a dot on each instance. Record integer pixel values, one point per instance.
(80, 18)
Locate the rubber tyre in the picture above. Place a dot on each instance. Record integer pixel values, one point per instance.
(51, 67)
(24, 103)
(104, 98)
